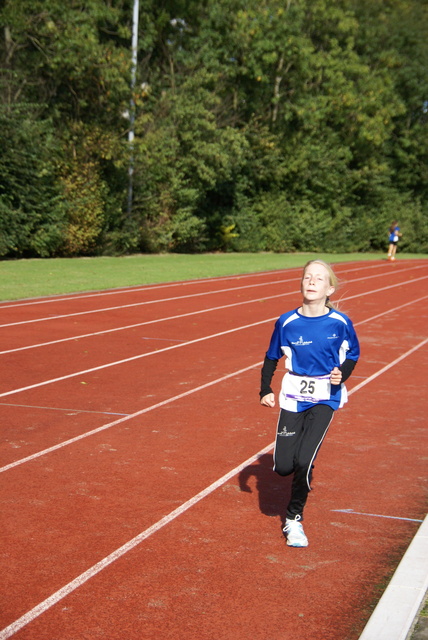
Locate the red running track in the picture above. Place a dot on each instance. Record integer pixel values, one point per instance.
(138, 498)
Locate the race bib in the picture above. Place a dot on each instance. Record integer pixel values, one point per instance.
(306, 388)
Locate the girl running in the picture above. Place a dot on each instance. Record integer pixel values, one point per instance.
(321, 349)
(394, 236)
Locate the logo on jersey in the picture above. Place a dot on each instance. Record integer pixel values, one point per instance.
(302, 343)
(333, 337)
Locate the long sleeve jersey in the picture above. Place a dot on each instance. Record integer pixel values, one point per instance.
(312, 347)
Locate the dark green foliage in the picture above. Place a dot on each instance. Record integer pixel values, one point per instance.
(32, 210)
(279, 125)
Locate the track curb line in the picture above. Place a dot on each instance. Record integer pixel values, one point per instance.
(397, 611)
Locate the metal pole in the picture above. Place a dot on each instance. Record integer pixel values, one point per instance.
(132, 103)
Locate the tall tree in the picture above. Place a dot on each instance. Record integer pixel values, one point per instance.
(260, 124)
(65, 64)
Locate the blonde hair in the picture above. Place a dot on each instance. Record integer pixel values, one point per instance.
(333, 279)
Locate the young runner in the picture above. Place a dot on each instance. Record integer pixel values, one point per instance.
(394, 236)
(321, 349)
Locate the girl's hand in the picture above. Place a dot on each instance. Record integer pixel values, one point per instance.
(336, 376)
(268, 400)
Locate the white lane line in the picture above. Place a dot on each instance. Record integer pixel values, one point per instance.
(62, 409)
(7, 632)
(56, 597)
(180, 283)
(132, 358)
(379, 315)
(191, 295)
(141, 304)
(182, 344)
(388, 366)
(142, 324)
(374, 515)
(149, 288)
(141, 412)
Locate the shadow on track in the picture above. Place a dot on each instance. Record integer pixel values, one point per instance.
(274, 491)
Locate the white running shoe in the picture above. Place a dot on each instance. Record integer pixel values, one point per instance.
(293, 530)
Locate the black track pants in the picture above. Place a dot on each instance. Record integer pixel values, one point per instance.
(298, 439)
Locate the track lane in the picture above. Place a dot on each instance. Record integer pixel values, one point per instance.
(89, 393)
(388, 331)
(173, 331)
(57, 315)
(222, 542)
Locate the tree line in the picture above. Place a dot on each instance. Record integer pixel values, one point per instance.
(258, 125)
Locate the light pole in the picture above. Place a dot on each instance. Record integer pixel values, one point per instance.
(132, 103)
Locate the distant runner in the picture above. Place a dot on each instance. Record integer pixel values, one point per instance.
(394, 236)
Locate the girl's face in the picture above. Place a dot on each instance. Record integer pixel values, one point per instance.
(316, 285)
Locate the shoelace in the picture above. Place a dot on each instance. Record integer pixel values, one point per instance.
(293, 525)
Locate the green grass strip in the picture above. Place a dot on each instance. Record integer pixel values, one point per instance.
(37, 277)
